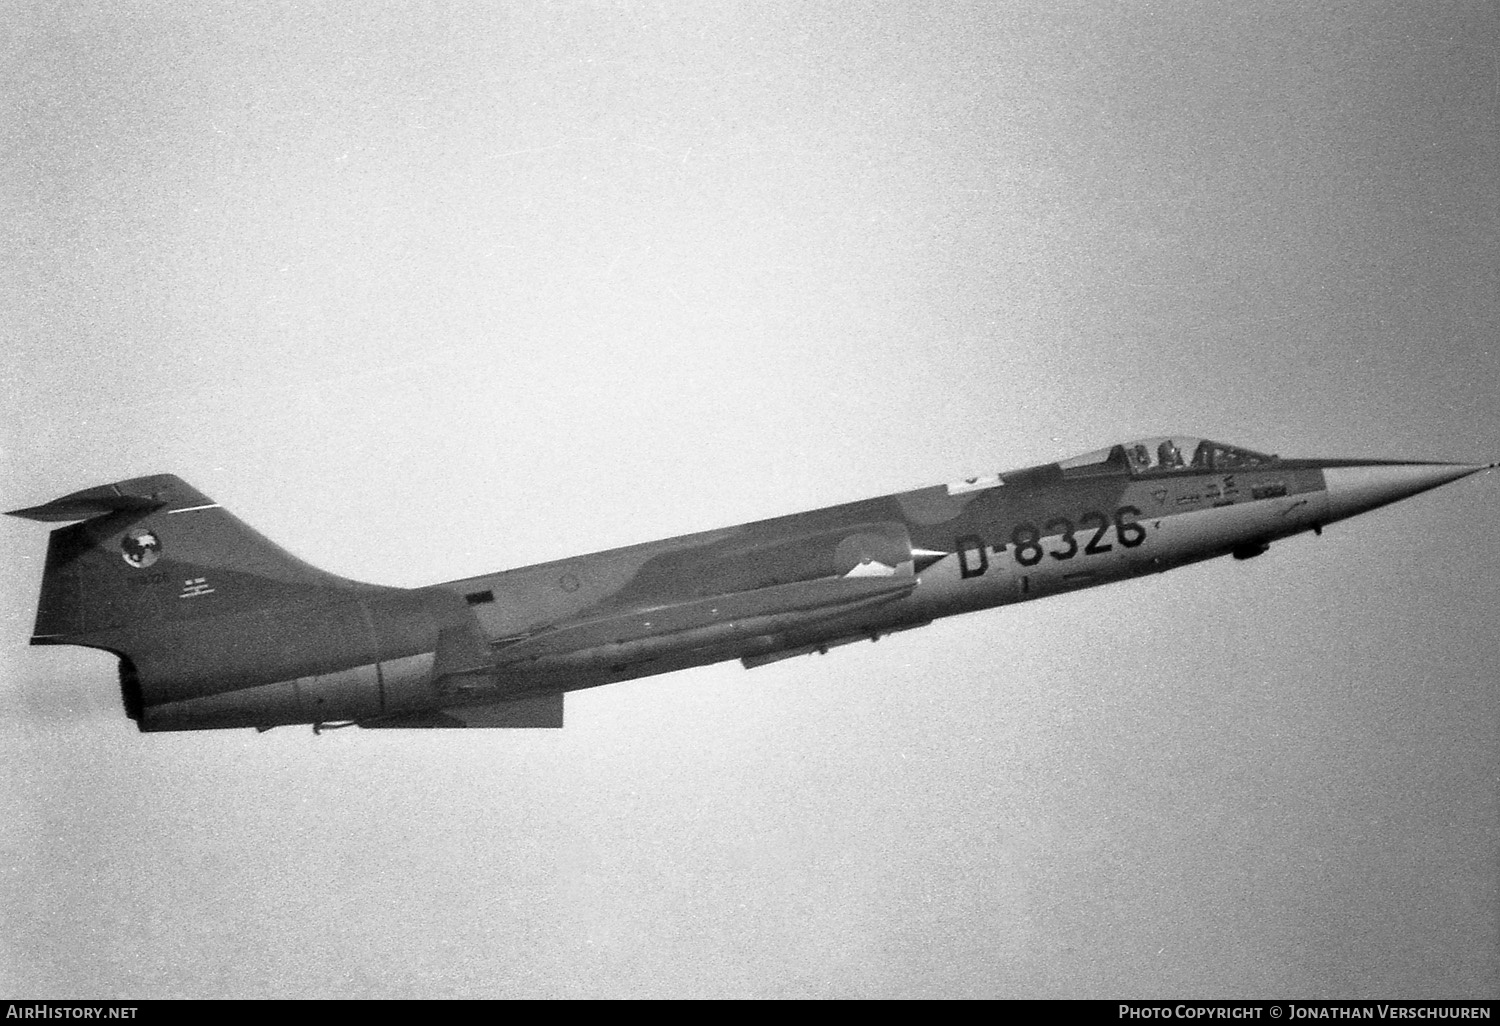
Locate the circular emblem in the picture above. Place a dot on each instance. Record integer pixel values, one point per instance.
(568, 582)
(140, 548)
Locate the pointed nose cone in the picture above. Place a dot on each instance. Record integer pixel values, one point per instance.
(1357, 487)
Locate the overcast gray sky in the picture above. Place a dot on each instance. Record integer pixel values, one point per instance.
(425, 292)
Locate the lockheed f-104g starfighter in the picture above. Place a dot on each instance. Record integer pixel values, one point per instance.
(215, 626)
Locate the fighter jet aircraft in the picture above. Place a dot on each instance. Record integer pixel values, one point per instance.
(215, 626)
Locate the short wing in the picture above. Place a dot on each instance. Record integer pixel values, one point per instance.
(543, 711)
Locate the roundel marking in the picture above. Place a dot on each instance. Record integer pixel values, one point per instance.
(140, 548)
(568, 582)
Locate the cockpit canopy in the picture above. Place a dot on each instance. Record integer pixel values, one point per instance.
(1164, 454)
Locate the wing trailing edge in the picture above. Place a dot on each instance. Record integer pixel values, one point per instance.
(542, 711)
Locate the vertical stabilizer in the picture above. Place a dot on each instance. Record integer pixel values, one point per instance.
(217, 626)
(152, 552)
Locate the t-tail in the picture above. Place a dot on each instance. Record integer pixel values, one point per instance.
(216, 626)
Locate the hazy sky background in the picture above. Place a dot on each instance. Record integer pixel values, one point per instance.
(424, 292)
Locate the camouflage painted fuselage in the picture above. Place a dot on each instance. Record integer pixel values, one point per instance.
(805, 582)
(217, 627)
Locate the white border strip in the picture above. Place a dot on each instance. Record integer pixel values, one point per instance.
(189, 509)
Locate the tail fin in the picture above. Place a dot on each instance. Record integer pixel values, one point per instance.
(216, 626)
(199, 607)
(154, 552)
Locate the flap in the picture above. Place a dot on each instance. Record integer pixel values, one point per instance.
(542, 711)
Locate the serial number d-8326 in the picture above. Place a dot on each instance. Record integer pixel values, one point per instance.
(1026, 539)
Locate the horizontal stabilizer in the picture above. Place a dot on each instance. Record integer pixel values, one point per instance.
(544, 711)
(91, 502)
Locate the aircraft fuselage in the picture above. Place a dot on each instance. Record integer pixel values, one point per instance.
(217, 627)
(917, 556)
